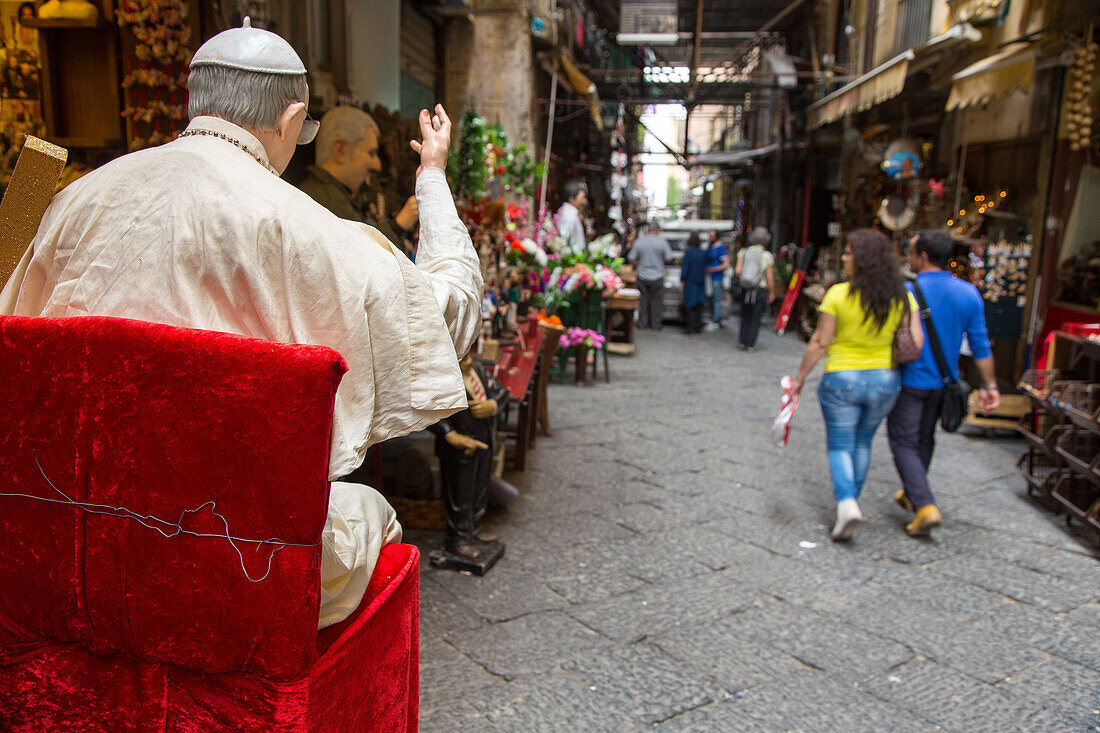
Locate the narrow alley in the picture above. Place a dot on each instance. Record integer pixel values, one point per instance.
(669, 569)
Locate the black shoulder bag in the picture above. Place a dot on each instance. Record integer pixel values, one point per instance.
(956, 392)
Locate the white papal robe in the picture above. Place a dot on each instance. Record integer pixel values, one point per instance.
(203, 233)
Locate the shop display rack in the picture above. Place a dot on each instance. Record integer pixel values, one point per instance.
(1062, 462)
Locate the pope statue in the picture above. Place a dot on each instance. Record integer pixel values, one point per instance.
(203, 233)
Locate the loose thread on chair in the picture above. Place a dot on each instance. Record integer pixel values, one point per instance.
(164, 527)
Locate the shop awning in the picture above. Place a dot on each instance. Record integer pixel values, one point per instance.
(886, 81)
(582, 85)
(732, 157)
(877, 85)
(994, 76)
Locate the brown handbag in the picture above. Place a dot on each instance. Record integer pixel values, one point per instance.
(905, 348)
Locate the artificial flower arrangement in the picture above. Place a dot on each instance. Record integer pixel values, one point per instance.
(484, 153)
(583, 337)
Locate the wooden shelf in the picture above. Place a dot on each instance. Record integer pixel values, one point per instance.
(47, 24)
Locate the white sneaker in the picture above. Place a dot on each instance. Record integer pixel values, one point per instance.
(848, 516)
(712, 326)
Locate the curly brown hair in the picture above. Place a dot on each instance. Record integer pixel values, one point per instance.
(876, 275)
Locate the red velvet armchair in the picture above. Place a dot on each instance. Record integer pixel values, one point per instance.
(155, 621)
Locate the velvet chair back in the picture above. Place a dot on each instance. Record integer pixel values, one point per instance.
(218, 433)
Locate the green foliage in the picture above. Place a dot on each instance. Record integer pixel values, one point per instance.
(783, 272)
(591, 259)
(551, 300)
(466, 164)
(483, 153)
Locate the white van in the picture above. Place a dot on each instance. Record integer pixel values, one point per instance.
(677, 233)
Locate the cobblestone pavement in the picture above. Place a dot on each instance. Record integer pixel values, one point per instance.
(668, 569)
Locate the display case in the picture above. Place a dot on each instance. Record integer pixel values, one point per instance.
(81, 92)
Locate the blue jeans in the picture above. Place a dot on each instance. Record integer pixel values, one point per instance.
(853, 403)
(716, 301)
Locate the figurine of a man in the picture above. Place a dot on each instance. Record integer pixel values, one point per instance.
(347, 156)
(203, 233)
(465, 443)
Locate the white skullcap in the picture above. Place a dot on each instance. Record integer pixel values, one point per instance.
(249, 49)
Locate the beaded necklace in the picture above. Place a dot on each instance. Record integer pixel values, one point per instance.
(228, 139)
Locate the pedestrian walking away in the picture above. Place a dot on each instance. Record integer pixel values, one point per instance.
(855, 333)
(651, 252)
(693, 274)
(955, 308)
(755, 272)
(718, 262)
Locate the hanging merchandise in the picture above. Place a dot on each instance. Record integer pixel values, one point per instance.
(897, 212)
(902, 159)
(156, 76)
(1002, 280)
(1078, 94)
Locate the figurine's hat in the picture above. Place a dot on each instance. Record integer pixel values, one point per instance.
(249, 49)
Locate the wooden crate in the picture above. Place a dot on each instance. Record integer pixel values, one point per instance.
(1005, 417)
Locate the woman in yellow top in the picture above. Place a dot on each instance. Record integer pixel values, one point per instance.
(855, 333)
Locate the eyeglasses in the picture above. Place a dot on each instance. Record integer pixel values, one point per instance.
(309, 130)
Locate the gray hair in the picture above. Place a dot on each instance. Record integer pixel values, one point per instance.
(250, 99)
(760, 236)
(345, 123)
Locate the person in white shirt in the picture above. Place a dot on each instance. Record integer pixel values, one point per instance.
(203, 233)
(570, 223)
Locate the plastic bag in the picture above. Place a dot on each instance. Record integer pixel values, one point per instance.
(788, 404)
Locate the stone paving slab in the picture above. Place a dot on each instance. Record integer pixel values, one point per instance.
(1053, 633)
(645, 683)
(939, 593)
(442, 667)
(1087, 615)
(511, 592)
(1076, 686)
(651, 610)
(454, 714)
(529, 644)
(985, 655)
(727, 657)
(440, 611)
(548, 703)
(805, 700)
(958, 702)
(1040, 589)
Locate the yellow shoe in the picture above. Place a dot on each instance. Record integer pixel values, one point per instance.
(903, 500)
(927, 517)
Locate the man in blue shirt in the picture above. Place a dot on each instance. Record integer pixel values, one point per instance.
(957, 309)
(718, 261)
